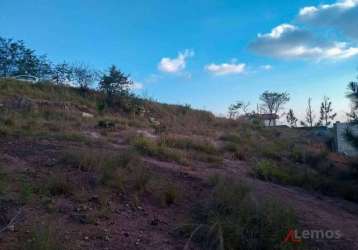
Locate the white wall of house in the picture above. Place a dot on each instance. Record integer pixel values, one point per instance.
(342, 145)
(268, 124)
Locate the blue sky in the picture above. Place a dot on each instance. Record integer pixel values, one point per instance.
(207, 53)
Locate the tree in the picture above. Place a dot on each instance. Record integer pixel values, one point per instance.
(62, 73)
(273, 102)
(83, 76)
(310, 117)
(326, 111)
(17, 59)
(291, 118)
(10, 55)
(115, 83)
(236, 108)
(353, 116)
(353, 96)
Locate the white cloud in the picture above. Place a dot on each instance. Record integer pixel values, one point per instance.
(226, 68)
(175, 65)
(341, 15)
(290, 42)
(266, 67)
(278, 31)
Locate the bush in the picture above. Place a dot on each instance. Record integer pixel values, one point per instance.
(26, 191)
(2, 180)
(297, 154)
(59, 185)
(170, 194)
(230, 219)
(314, 158)
(272, 151)
(269, 171)
(115, 169)
(43, 238)
(141, 177)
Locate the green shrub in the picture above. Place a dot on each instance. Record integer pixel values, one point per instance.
(2, 181)
(297, 154)
(101, 106)
(269, 171)
(271, 151)
(114, 178)
(145, 145)
(59, 185)
(26, 192)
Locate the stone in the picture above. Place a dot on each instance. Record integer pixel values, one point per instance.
(87, 115)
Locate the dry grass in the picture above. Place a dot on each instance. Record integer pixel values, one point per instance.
(152, 148)
(43, 237)
(231, 219)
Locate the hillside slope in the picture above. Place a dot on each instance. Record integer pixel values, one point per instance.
(75, 175)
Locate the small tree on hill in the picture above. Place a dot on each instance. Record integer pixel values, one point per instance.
(237, 108)
(17, 59)
(273, 101)
(353, 96)
(115, 83)
(353, 116)
(326, 111)
(310, 117)
(10, 52)
(62, 73)
(83, 76)
(291, 118)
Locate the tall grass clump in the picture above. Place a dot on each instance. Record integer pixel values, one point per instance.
(152, 148)
(2, 181)
(231, 219)
(187, 143)
(269, 171)
(43, 237)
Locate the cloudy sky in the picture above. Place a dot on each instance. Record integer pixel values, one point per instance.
(207, 53)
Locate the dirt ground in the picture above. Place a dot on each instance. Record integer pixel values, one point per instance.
(149, 225)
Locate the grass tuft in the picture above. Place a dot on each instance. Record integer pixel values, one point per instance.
(231, 219)
(43, 237)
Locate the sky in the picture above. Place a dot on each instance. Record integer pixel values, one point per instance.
(206, 53)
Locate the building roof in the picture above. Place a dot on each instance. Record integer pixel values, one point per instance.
(266, 116)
